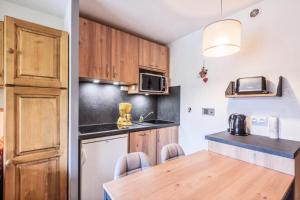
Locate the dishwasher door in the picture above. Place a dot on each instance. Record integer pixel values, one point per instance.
(98, 159)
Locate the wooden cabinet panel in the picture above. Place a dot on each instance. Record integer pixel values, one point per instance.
(166, 136)
(1, 52)
(103, 56)
(124, 57)
(35, 55)
(86, 42)
(153, 55)
(163, 63)
(144, 141)
(38, 172)
(38, 122)
(144, 53)
(35, 143)
(94, 50)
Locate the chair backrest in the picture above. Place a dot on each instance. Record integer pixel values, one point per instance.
(131, 163)
(170, 152)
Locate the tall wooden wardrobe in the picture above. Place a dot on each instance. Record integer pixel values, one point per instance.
(35, 81)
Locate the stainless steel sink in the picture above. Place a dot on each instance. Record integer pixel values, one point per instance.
(154, 121)
(158, 121)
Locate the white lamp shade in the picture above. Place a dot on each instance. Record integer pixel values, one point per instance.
(222, 38)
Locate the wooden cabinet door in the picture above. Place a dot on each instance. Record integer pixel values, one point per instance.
(86, 43)
(153, 55)
(35, 143)
(163, 59)
(144, 53)
(124, 57)
(94, 50)
(1, 52)
(35, 55)
(144, 141)
(166, 136)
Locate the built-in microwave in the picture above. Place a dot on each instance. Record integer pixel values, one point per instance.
(152, 83)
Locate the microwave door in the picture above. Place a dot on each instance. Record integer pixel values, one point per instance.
(150, 83)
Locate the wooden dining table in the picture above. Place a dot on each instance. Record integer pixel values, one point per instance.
(202, 175)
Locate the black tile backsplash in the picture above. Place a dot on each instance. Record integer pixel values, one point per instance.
(98, 103)
(168, 107)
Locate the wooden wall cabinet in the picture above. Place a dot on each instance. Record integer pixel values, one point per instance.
(153, 55)
(94, 53)
(124, 53)
(107, 54)
(113, 55)
(166, 136)
(34, 55)
(144, 141)
(151, 141)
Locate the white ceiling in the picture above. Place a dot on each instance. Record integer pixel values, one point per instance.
(53, 7)
(160, 20)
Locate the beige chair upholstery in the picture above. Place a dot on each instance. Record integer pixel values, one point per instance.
(170, 152)
(131, 163)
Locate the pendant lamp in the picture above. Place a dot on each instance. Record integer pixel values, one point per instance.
(222, 38)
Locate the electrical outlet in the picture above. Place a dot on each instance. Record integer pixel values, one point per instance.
(208, 111)
(259, 121)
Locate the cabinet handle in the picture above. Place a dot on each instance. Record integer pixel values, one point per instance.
(107, 70)
(10, 50)
(83, 157)
(114, 71)
(143, 134)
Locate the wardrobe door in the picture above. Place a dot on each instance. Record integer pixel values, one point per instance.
(35, 143)
(34, 55)
(1, 52)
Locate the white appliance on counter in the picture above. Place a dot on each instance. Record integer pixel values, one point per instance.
(264, 126)
(98, 159)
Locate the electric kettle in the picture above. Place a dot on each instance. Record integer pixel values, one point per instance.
(237, 124)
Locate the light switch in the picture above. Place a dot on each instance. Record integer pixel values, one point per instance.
(208, 111)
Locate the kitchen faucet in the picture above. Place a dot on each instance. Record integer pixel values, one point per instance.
(142, 118)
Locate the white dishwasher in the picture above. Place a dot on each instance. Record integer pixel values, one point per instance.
(98, 159)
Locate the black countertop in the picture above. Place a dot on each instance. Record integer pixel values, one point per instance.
(103, 130)
(278, 147)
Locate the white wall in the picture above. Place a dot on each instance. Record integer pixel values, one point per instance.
(270, 47)
(72, 25)
(20, 12)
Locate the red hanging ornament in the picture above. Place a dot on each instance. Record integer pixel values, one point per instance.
(203, 74)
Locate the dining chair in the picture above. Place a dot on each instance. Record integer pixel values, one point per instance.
(171, 152)
(131, 163)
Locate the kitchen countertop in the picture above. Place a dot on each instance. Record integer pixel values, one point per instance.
(87, 133)
(278, 147)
